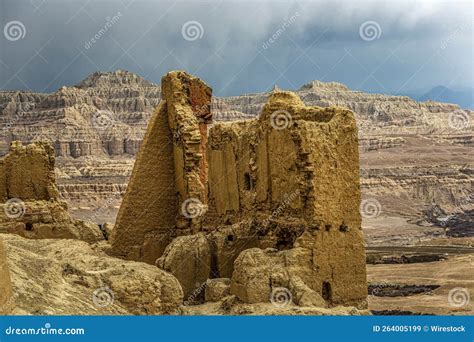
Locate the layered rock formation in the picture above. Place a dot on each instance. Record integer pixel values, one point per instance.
(287, 181)
(413, 155)
(31, 206)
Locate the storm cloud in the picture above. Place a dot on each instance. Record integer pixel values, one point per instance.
(240, 46)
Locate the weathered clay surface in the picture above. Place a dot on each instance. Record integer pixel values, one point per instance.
(217, 289)
(31, 205)
(60, 277)
(6, 294)
(170, 161)
(287, 179)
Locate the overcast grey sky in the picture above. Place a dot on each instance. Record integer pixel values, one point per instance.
(239, 47)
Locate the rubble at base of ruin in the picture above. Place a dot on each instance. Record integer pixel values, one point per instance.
(252, 207)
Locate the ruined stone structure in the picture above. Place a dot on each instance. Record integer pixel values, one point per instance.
(270, 203)
(31, 206)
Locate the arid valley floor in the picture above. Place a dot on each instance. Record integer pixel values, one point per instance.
(416, 175)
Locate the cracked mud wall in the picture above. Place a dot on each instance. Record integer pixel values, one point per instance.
(27, 172)
(31, 206)
(299, 187)
(288, 182)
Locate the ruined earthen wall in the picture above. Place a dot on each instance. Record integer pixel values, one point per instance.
(149, 208)
(29, 200)
(27, 172)
(298, 185)
(288, 181)
(169, 171)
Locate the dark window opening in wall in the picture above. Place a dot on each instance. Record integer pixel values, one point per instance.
(343, 228)
(327, 227)
(29, 226)
(248, 184)
(326, 291)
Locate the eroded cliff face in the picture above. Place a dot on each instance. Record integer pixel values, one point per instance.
(287, 181)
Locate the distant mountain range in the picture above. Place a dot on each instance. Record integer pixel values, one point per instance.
(463, 98)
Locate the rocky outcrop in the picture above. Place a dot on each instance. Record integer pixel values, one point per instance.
(31, 205)
(69, 277)
(287, 180)
(260, 276)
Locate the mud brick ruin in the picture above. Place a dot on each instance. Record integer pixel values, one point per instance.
(29, 200)
(268, 203)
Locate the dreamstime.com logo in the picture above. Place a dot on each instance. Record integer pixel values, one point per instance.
(14, 208)
(458, 297)
(14, 30)
(370, 30)
(281, 297)
(370, 208)
(459, 120)
(46, 330)
(192, 30)
(192, 208)
(109, 22)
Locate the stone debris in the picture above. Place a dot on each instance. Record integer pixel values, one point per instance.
(217, 289)
(272, 203)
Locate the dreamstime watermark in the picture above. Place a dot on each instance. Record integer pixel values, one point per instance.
(458, 297)
(280, 119)
(103, 297)
(109, 201)
(109, 22)
(14, 208)
(444, 44)
(46, 330)
(281, 297)
(370, 30)
(192, 208)
(277, 212)
(197, 291)
(192, 30)
(14, 30)
(103, 120)
(459, 120)
(26, 107)
(370, 208)
(286, 24)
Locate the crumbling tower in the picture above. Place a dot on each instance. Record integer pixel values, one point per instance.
(168, 186)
